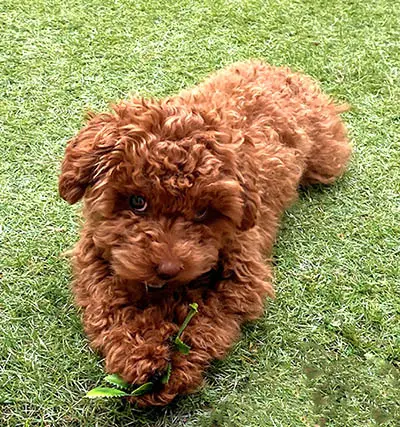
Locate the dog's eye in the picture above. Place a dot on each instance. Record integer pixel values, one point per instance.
(138, 203)
(201, 215)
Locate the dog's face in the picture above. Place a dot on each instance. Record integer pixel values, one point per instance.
(163, 192)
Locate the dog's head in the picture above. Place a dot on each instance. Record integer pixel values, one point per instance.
(162, 188)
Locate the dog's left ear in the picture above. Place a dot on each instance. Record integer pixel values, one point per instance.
(80, 159)
(251, 206)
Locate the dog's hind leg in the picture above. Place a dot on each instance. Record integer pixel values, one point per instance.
(330, 151)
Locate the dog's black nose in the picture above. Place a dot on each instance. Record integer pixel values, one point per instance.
(168, 269)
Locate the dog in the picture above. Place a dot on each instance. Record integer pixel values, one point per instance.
(182, 201)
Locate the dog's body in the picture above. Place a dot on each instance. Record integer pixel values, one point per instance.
(182, 202)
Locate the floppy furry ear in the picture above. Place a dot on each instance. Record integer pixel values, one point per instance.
(80, 160)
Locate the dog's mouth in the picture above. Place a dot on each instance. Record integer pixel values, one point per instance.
(154, 286)
(206, 279)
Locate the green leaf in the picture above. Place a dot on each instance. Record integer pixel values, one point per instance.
(165, 378)
(182, 347)
(105, 392)
(143, 389)
(116, 380)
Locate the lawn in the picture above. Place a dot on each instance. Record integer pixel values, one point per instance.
(327, 351)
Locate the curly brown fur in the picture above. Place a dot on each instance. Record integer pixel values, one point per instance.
(238, 145)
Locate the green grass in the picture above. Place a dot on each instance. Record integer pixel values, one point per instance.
(327, 351)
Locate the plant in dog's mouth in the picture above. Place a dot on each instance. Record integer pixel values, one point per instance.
(123, 389)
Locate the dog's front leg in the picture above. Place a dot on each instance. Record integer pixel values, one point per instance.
(135, 342)
(137, 351)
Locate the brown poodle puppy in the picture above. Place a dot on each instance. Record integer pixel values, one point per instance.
(182, 199)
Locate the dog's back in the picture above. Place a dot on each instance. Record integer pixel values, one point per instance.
(281, 107)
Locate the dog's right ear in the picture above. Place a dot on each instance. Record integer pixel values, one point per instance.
(81, 156)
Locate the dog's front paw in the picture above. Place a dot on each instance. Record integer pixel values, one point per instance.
(186, 377)
(138, 365)
(143, 357)
(160, 398)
